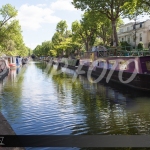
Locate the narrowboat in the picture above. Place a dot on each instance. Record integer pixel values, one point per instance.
(24, 61)
(133, 71)
(4, 68)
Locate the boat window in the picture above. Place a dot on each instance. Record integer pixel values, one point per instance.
(148, 65)
(92, 56)
(123, 65)
(101, 63)
(9, 60)
(12, 60)
(110, 64)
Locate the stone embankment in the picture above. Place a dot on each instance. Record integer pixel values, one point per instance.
(5, 129)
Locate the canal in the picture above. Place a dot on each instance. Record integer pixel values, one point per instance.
(38, 101)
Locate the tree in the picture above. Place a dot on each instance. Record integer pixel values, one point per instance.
(143, 6)
(7, 12)
(45, 49)
(62, 39)
(112, 9)
(86, 30)
(11, 39)
(62, 27)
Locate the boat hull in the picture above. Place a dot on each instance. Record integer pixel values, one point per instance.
(4, 73)
(140, 81)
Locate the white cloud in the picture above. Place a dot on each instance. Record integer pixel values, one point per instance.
(62, 5)
(32, 16)
(41, 5)
(32, 45)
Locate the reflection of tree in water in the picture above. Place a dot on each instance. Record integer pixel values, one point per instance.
(100, 109)
(12, 93)
(41, 65)
(103, 110)
(45, 67)
(110, 112)
(63, 86)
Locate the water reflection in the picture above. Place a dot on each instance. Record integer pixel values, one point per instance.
(12, 92)
(44, 102)
(103, 109)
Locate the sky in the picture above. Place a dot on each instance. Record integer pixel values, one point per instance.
(38, 18)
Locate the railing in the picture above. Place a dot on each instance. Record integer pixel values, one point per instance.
(120, 52)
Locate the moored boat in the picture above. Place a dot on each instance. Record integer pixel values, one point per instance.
(12, 66)
(24, 61)
(4, 68)
(133, 71)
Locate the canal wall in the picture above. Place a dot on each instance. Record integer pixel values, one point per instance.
(5, 129)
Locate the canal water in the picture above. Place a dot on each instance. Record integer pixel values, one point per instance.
(41, 100)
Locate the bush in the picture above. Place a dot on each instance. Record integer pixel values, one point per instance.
(125, 45)
(140, 46)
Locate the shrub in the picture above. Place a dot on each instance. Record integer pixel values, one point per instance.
(140, 46)
(125, 45)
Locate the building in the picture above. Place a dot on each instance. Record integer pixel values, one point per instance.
(128, 31)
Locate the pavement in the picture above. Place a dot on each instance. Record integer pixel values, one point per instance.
(5, 129)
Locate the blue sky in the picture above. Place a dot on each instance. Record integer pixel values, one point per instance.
(38, 18)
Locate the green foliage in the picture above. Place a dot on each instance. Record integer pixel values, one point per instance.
(61, 27)
(140, 46)
(7, 12)
(142, 6)
(98, 25)
(125, 45)
(11, 40)
(86, 30)
(112, 9)
(45, 49)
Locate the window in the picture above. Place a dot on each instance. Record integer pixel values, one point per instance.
(140, 36)
(148, 65)
(140, 25)
(121, 30)
(122, 39)
(101, 64)
(123, 65)
(127, 28)
(128, 39)
(110, 64)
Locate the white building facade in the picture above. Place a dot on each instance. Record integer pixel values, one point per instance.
(128, 31)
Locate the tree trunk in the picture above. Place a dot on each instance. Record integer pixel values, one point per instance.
(112, 35)
(87, 46)
(115, 36)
